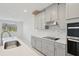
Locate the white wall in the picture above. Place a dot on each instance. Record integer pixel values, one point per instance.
(28, 28)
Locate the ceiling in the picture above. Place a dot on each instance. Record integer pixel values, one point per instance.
(15, 11)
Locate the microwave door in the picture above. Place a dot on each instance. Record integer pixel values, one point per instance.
(73, 32)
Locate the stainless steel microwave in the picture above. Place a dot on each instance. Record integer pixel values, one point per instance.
(73, 29)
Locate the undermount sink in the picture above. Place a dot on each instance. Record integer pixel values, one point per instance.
(11, 44)
(52, 38)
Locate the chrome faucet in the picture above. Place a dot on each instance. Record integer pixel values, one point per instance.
(2, 36)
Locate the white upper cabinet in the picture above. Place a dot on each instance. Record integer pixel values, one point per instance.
(37, 22)
(42, 20)
(51, 12)
(55, 12)
(72, 10)
(47, 15)
(61, 15)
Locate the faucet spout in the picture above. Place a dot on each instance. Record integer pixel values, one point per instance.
(2, 36)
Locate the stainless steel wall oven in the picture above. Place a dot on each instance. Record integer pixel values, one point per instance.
(73, 38)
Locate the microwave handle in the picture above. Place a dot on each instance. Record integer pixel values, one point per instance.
(73, 27)
(75, 40)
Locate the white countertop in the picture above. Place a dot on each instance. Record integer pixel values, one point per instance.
(42, 34)
(23, 50)
(62, 41)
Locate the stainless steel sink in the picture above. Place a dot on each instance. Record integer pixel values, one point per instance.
(11, 44)
(52, 38)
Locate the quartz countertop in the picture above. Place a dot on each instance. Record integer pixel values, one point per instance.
(62, 41)
(62, 38)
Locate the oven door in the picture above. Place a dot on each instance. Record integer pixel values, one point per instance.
(73, 47)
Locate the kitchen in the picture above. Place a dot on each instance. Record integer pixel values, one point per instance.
(52, 23)
(43, 29)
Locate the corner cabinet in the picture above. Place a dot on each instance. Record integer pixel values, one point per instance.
(60, 49)
(72, 10)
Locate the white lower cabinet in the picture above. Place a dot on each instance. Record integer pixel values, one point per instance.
(38, 44)
(33, 42)
(44, 47)
(48, 47)
(60, 49)
(51, 49)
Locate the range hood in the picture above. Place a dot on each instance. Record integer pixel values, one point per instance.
(51, 23)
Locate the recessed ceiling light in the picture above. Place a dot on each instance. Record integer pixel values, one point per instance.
(25, 11)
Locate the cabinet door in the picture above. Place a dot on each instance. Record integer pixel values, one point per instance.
(72, 10)
(51, 48)
(61, 15)
(59, 49)
(48, 47)
(42, 20)
(33, 42)
(51, 13)
(37, 21)
(38, 44)
(44, 46)
(47, 15)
